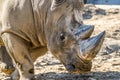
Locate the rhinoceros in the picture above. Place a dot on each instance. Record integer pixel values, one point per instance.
(30, 28)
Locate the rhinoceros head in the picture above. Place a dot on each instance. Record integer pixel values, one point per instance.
(68, 38)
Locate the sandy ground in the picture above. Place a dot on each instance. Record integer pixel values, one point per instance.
(106, 65)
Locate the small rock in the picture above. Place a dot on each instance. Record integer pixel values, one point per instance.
(92, 79)
(61, 69)
(112, 48)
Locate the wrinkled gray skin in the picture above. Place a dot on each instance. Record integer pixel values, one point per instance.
(32, 27)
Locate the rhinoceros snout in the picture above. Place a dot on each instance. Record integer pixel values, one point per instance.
(90, 47)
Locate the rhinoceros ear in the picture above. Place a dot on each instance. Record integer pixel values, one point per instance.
(56, 3)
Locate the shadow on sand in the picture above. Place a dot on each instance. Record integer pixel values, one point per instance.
(110, 75)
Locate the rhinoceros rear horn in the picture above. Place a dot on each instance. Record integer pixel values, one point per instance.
(90, 47)
(84, 31)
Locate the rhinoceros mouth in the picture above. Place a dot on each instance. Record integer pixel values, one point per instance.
(83, 68)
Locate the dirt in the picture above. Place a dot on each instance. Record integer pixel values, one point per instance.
(106, 65)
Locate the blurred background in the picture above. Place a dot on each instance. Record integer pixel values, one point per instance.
(103, 2)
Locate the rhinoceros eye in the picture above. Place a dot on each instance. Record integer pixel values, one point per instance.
(62, 37)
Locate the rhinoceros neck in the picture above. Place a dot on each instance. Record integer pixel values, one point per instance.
(40, 9)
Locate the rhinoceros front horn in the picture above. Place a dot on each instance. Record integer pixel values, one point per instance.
(90, 47)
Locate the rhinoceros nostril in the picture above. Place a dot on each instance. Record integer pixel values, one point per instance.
(31, 71)
(70, 67)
